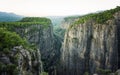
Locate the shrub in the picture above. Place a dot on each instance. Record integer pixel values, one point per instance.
(104, 71)
(2, 66)
(6, 51)
(44, 73)
(11, 67)
(116, 73)
(9, 40)
(26, 22)
(16, 72)
(101, 17)
(86, 73)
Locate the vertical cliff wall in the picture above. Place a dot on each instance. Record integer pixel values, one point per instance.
(20, 61)
(117, 22)
(43, 37)
(91, 47)
(16, 56)
(39, 34)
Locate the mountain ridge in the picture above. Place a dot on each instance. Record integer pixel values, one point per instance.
(9, 17)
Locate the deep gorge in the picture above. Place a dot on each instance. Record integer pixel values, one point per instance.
(90, 45)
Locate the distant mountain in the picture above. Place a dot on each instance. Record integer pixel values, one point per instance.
(56, 20)
(8, 17)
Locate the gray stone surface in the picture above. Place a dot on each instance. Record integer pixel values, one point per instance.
(27, 62)
(90, 46)
(45, 40)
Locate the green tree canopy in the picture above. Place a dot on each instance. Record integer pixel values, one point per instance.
(100, 17)
(10, 39)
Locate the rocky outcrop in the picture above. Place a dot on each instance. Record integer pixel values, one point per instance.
(67, 21)
(20, 61)
(42, 37)
(39, 33)
(117, 21)
(90, 47)
(116, 73)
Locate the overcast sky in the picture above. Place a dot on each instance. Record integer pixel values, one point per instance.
(56, 7)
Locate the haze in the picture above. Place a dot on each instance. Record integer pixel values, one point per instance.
(56, 7)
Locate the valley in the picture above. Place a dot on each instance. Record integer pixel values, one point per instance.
(71, 45)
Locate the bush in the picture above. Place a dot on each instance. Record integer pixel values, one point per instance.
(116, 73)
(11, 67)
(101, 17)
(6, 50)
(2, 66)
(44, 73)
(10, 39)
(16, 72)
(26, 22)
(104, 71)
(86, 73)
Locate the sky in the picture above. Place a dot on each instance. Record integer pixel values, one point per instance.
(56, 7)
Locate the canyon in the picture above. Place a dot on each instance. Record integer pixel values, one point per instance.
(90, 45)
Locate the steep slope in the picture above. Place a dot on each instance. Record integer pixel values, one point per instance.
(43, 37)
(38, 32)
(91, 45)
(16, 56)
(67, 21)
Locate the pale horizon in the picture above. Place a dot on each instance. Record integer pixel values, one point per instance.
(56, 7)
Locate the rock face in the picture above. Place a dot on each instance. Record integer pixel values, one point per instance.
(89, 47)
(117, 21)
(43, 37)
(118, 72)
(67, 21)
(20, 61)
(39, 34)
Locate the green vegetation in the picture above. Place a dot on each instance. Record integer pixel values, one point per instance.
(10, 39)
(101, 17)
(16, 72)
(38, 20)
(26, 22)
(104, 71)
(71, 18)
(11, 69)
(86, 73)
(35, 19)
(44, 73)
(2, 67)
(6, 50)
(116, 73)
(59, 32)
(75, 39)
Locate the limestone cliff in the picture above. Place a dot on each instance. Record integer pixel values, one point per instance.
(48, 43)
(39, 34)
(67, 21)
(17, 57)
(90, 46)
(20, 61)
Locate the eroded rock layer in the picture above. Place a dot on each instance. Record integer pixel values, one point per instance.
(91, 46)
